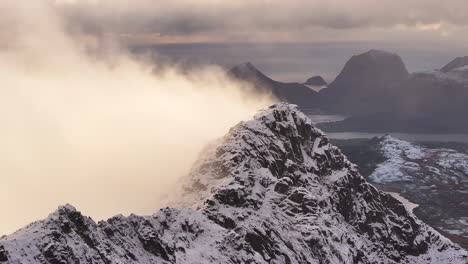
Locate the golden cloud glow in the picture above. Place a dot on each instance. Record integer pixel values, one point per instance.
(101, 131)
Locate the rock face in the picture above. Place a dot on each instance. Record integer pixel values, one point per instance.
(296, 93)
(363, 83)
(315, 81)
(272, 191)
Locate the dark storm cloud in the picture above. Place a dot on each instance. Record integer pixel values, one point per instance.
(233, 17)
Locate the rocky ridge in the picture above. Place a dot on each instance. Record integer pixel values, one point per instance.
(296, 93)
(272, 191)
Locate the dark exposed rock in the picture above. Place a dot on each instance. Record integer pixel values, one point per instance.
(295, 93)
(57, 253)
(298, 196)
(283, 185)
(153, 244)
(3, 254)
(315, 81)
(233, 197)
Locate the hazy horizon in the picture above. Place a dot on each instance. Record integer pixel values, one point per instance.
(300, 61)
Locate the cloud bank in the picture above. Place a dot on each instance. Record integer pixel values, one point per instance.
(103, 131)
(262, 19)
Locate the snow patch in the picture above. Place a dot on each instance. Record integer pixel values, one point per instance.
(408, 205)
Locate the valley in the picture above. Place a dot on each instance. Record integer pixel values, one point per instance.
(433, 175)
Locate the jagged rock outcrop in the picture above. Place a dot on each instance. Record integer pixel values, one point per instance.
(316, 81)
(364, 82)
(272, 191)
(296, 93)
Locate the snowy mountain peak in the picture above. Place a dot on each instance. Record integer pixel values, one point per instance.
(68, 208)
(273, 190)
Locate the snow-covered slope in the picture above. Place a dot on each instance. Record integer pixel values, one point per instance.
(273, 191)
(407, 161)
(434, 178)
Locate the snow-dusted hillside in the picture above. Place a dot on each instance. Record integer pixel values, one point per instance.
(408, 162)
(434, 178)
(273, 191)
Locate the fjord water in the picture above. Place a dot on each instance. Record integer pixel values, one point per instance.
(404, 136)
(320, 119)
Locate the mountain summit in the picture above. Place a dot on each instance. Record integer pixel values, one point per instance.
(298, 93)
(315, 81)
(365, 79)
(370, 71)
(274, 190)
(248, 72)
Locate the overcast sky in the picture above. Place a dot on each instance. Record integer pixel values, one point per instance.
(269, 20)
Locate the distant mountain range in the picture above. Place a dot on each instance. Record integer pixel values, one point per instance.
(425, 102)
(377, 91)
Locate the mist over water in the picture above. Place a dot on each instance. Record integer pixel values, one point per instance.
(102, 131)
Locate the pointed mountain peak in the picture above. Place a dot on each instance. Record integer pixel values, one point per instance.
(247, 71)
(249, 65)
(67, 208)
(246, 66)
